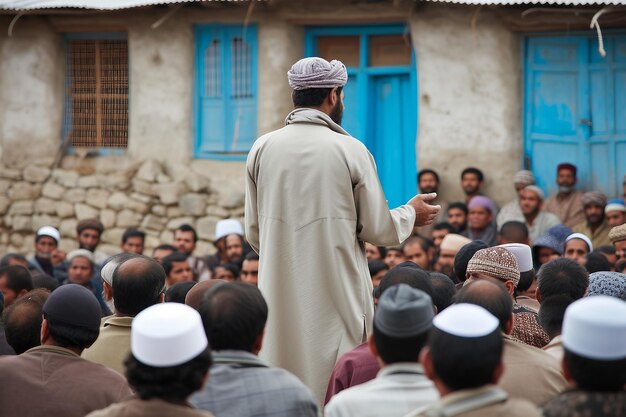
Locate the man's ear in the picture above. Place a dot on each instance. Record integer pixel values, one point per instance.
(372, 346)
(508, 328)
(333, 97)
(426, 360)
(45, 331)
(566, 372)
(538, 295)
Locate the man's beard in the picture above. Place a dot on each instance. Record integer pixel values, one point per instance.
(336, 113)
(46, 256)
(82, 246)
(565, 189)
(428, 190)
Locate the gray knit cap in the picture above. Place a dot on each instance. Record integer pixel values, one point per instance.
(607, 283)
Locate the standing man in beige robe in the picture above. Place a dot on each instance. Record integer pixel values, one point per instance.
(312, 199)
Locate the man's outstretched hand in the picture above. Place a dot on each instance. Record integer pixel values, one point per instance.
(424, 212)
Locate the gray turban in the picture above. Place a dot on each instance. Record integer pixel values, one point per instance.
(317, 73)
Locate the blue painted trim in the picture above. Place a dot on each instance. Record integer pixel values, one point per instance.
(226, 32)
(67, 113)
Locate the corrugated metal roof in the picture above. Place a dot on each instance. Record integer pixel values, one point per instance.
(85, 4)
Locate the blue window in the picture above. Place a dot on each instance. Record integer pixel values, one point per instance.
(226, 90)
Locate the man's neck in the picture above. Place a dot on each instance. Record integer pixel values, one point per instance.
(530, 219)
(76, 350)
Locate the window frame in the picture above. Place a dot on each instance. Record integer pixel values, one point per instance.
(67, 106)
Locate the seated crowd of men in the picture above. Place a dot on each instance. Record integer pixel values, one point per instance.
(518, 312)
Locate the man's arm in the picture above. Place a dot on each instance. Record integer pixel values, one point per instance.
(251, 215)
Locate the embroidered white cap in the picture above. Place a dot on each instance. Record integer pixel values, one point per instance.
(228, 227)
(595, 328)
(466, 320)
(167, 334)
(49, 231)
(582, 237)
(523, 253)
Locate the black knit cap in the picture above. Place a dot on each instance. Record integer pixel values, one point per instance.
(73, 305)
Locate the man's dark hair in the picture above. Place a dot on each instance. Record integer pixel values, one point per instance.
(551, 314)
(23, 321)
(172, 383)
(312, 97)
(459, 206)
(376, 266)
(168, 261)
(165, 246)
(398, 349)
(424, 243)
(187, 228)
(251, 256)
(45, 281)
(443, 290)
(428, 171)
(234, 315)
(133, 233)
(68, 336)
(620, 266)
(6, 259)
(562, 276)
(233, 268)
(405, 273)
(177, 292)
(137, 284)
(491, 295)
(597, 262)
(514, 232)
(463, 363)
(606, 249)
(464, 255)
(475, 171)
(444, 226)
(18, 278)
(526, 279)
(596, 375)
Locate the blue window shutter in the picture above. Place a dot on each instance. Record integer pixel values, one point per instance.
(211, 111)
(242, 83)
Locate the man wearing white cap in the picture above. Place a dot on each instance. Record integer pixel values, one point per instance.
(463, 357)
(527, 283)
(312, 198)
(169, 361)
(594, 340)
(450, 246)
(512, 210)
(615, 212)
(403, 318)
(529, 373)
(47, 256)
(537, 220)
(229, 243)
(577, 246)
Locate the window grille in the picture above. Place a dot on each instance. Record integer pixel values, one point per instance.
(96, 112)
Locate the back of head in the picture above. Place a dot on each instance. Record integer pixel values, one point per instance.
(234, 316)
(169, 357)
(594, 341)
(196, 294)
(23, 321)
(406, 273)
(17, 278)
(465, 347)
(463, 257)
(596, 262)
(137, 284)
(491, 295)
(562, 276)
(401, 324)
(45, 281)
(514, 232)
(73, 315)
(376, 266)
(177, 292)
(552, 312)
(443, 290)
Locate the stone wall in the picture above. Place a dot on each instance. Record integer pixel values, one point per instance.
(155, 197)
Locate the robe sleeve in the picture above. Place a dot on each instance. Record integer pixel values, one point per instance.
(251, 215)
(377, 224)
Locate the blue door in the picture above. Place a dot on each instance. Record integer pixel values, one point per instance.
(575, 109)
(380, 97)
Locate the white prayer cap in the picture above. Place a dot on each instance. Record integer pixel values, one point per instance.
(615, 205)
(524, 177)
(107, 271)
(582, 237)
(595, 328)
(536, 190)
(228, 227)
(454, 242)
(466, 320)
(84, 253)
(49, 231)
(523, 253)
(315, 72)
(167, 334)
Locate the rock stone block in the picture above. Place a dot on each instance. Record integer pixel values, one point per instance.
(64, 209)
(128, 218)
(205, 227)
(84, 211)
(192, 204)
(35, 173)
(53, 190)
(97, 197)
(24, 191)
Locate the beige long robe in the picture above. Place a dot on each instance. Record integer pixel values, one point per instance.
(312, 198)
